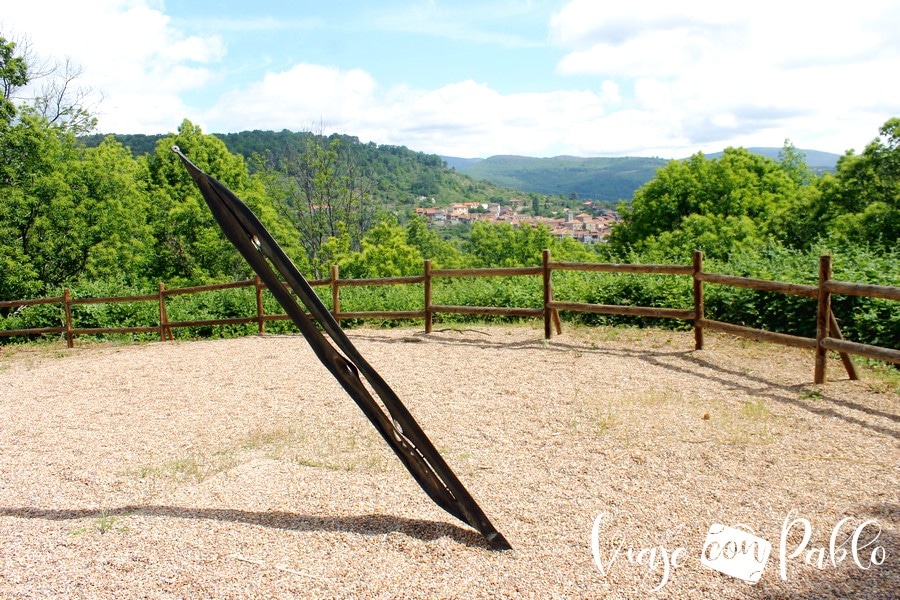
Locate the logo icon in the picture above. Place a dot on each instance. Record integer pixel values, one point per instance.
(735, 552)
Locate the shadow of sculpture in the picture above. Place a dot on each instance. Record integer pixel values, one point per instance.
(367, 525)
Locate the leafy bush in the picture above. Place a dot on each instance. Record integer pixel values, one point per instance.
(867, 320)
(624, 289)
(114, 314)
(31, 317)
(212, 305)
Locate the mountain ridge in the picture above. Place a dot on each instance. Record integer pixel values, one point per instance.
(814, 158)
(607, 179)
(598, 178)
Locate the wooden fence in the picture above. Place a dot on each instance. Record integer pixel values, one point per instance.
(828, 334)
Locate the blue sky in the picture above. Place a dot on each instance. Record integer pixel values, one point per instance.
(475, 78)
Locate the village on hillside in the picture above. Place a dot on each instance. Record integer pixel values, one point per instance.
(590, 226)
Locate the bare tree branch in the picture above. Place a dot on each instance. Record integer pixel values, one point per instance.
(59, 99)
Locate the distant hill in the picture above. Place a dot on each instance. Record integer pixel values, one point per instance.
(816, 160)
(459, 164)
(138, 143)
(404, 174)
(608, 179)
(401, 179)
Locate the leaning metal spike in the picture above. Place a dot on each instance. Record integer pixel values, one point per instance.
(395, 424)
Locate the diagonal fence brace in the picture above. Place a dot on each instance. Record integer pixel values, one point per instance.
(394, 422)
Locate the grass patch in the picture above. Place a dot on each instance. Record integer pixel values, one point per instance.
(885, 378)
(275, 441)
(345, 451)
(194, 466)
(752, 424)
(594, 420)
(592, 415)
(318, 464)
(596, 334)
(605, 422)
(103, 524)
(810, 394)
(756, 410)
(654, 397)
(336, 451)
(32, 351)
(105, 521)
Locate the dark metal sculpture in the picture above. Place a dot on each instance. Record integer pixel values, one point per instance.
(396, 425)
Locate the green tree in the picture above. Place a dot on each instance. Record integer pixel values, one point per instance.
(385, 253)
(13, 75)
(442, 253)
(857, 205)
(37, 212)
(57, 96)
(571, 249)
(793, 162)
(711, 205)
(109, 188)
(67, 212)
(427, 183)
(324, 193)
(862, 201)
(188, 245)
(502, 245)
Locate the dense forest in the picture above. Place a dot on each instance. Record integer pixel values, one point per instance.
(403, 172)
(104, 218)
(398, 176)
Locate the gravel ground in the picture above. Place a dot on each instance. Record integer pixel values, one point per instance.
(239, 469)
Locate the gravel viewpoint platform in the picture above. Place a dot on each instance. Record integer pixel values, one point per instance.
(618, 463)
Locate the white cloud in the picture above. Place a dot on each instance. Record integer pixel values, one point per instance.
(654, 78)
(463, 118)
(585, 23)
(130, 54)
(295, 99)
(654, 54)
(671, 80)
(737, 73)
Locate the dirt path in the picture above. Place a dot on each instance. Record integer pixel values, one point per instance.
(239, 468)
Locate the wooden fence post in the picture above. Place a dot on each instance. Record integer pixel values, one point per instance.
(823, 317)
(67, 307)
(257, 283)
(163, 316)
(429, 317)
(335, 293)
(698, 300)
(548, 294)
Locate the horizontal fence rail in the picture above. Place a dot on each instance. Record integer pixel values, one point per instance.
(622, 268)
(828, 334)
(631, 311)
(763, 285)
